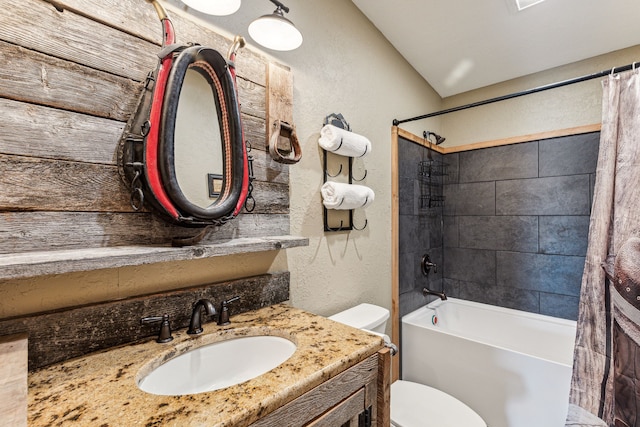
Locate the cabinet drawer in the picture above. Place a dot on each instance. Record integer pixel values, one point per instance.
(347, 410)
(318, 401)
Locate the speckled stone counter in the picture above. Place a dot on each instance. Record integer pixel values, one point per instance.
(101, 389)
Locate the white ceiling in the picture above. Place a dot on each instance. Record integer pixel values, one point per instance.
(460, 45)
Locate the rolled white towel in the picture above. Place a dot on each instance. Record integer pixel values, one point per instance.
(337, 195)
(343, 142)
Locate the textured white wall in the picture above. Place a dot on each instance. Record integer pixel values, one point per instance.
(345, 65)
(562, 108)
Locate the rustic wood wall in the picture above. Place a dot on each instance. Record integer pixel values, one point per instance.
(70, 75)
(60, 335)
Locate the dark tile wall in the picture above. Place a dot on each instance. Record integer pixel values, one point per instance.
(421, 231)
(516, 221)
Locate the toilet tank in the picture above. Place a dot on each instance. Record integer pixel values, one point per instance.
(364, 316)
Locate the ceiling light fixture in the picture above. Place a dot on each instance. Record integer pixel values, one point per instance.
(275, 31)
(523, 4)
(214, 7)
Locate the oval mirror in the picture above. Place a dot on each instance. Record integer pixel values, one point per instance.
(200, 153)
(183, 152)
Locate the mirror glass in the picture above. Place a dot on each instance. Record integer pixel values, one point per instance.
(198, 142)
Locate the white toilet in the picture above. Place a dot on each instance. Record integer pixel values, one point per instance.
(412, 404)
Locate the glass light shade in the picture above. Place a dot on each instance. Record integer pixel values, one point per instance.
(214, 7)
(275, 32)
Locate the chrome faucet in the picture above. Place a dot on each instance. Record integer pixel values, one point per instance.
(195, 327)
(441, 295)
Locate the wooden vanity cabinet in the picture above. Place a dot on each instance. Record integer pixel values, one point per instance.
(357, 397)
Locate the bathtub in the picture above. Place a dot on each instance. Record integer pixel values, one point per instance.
(511, 367)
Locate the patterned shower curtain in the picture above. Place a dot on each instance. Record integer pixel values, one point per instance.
(606, 369)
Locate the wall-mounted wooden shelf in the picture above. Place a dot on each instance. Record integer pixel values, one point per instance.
(31, 264)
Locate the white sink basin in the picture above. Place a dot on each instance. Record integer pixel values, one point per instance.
(218, 365)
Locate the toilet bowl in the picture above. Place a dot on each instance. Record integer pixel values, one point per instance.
(412, 404)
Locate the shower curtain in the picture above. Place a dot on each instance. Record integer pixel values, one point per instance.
(606, 370)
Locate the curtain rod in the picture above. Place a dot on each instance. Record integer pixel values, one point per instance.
(397, 122)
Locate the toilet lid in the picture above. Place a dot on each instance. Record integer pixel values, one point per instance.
(363, 316)
(418, 405)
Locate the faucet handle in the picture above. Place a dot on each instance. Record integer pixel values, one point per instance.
(426, 265)
(223, 317)
(164, 335)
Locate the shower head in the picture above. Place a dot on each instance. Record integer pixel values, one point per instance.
(439, 139)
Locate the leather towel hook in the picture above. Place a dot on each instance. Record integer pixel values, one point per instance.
(283, 145)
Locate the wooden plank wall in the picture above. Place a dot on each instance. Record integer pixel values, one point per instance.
(70, 76)
(61, 335)
(13, 380)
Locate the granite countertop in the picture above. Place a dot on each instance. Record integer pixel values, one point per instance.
(101, 389)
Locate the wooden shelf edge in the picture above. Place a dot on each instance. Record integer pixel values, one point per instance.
(525, 138)
(498, 142)
(31, 264)
(418, 140)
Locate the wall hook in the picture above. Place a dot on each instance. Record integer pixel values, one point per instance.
(361, 179)
(366, 221)
(340, 228)
(333, 176)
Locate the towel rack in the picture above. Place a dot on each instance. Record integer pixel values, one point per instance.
(339, 121)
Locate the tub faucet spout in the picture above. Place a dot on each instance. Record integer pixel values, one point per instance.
(441, 295)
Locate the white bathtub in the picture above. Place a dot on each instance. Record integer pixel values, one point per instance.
(511, 367)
